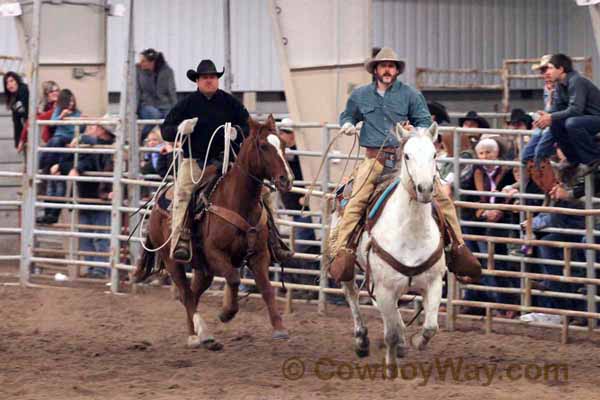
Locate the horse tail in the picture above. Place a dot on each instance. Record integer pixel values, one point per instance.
(145, 266)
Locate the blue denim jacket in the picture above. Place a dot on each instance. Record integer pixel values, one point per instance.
(380, 114)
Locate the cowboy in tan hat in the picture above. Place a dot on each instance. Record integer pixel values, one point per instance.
(380, 106)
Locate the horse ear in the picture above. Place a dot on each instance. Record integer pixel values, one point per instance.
(400, 131)
(271, 122)
(253, 126)
(433, 131)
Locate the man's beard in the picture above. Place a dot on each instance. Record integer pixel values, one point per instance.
(379, 78)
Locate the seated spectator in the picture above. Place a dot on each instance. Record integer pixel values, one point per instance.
(50, 91)
(520, 120)
(150, 160)
(576, 118)
(473, 120)
(66, 107)
(491, 178)
(156, 92)
(438, 112)
(93, 192)
(17, 101)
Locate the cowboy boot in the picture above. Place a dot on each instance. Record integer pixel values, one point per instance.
(459, 258)
(278, 248)
(182, 252)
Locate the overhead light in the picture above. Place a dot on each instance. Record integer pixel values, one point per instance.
(10, 10)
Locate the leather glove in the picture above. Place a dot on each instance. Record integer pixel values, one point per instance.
(348, 129)
(187, 126)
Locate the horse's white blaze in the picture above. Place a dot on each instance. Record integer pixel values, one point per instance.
(276, 142)
(407, 231)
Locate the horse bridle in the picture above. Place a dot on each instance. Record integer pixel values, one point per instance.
(412, 189)
(262, 182)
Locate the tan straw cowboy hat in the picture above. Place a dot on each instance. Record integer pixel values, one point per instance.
(543, 62)
(385, 54)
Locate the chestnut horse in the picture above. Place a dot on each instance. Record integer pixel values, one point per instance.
(232, 230)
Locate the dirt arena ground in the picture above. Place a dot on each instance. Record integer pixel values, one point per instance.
(87, 344)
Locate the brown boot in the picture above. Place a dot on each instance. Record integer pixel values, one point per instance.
(342, 267)
(463, 264)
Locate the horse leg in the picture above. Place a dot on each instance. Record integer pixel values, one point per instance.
(361, 338)
(392, 326)
(260, 268)
(431, 305)
(186, 297)
(230, 296)
(200, 283)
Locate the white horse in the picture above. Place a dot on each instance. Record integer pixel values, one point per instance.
(407, 231)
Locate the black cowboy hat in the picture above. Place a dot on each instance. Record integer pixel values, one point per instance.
(438, 109)
(206, 67)
(473, 116)
(519, 115)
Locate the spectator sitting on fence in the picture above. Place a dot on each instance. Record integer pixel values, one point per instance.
(541, 147)
(491, 178)
(92, 193)
(156, 91)
(576, 119)
(66, 107)
(50, 91)
(17, 101)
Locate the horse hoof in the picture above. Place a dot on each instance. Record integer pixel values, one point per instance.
(225, 317)
(212, 345)
(417, 342)
(193, 342)
(362, 353)
(280, 335)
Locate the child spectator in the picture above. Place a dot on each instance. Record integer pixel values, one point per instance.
(17, 101)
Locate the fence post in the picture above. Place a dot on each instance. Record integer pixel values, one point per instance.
(117, 200)
(29, 185)
(590, 254)
(325, 220)
(451, 290)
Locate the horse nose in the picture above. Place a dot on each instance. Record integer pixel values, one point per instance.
(284, 181)
(424, 189)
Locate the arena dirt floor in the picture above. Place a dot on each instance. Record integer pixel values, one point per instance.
(88, 344)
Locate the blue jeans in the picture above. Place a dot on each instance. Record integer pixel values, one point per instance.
(575, 137)
(150, 112)
(303, 233)
(556, 253)
(539, 147)
(98, 218)
(490, 280)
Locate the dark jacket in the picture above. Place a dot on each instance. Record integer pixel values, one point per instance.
(156, 89)
(19, 109)
(219, 109)
(577, 96)
(290, 200)
(502, 177)
(88, 163)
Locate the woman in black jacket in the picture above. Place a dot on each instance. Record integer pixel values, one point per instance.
(17, 101)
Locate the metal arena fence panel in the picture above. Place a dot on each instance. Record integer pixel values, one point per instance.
(36, 260)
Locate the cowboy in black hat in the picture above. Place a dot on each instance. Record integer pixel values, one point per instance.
(473, 120)
(438, 112)
(197, 117)
(519, 119)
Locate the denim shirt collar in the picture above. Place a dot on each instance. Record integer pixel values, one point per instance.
(394, 88)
